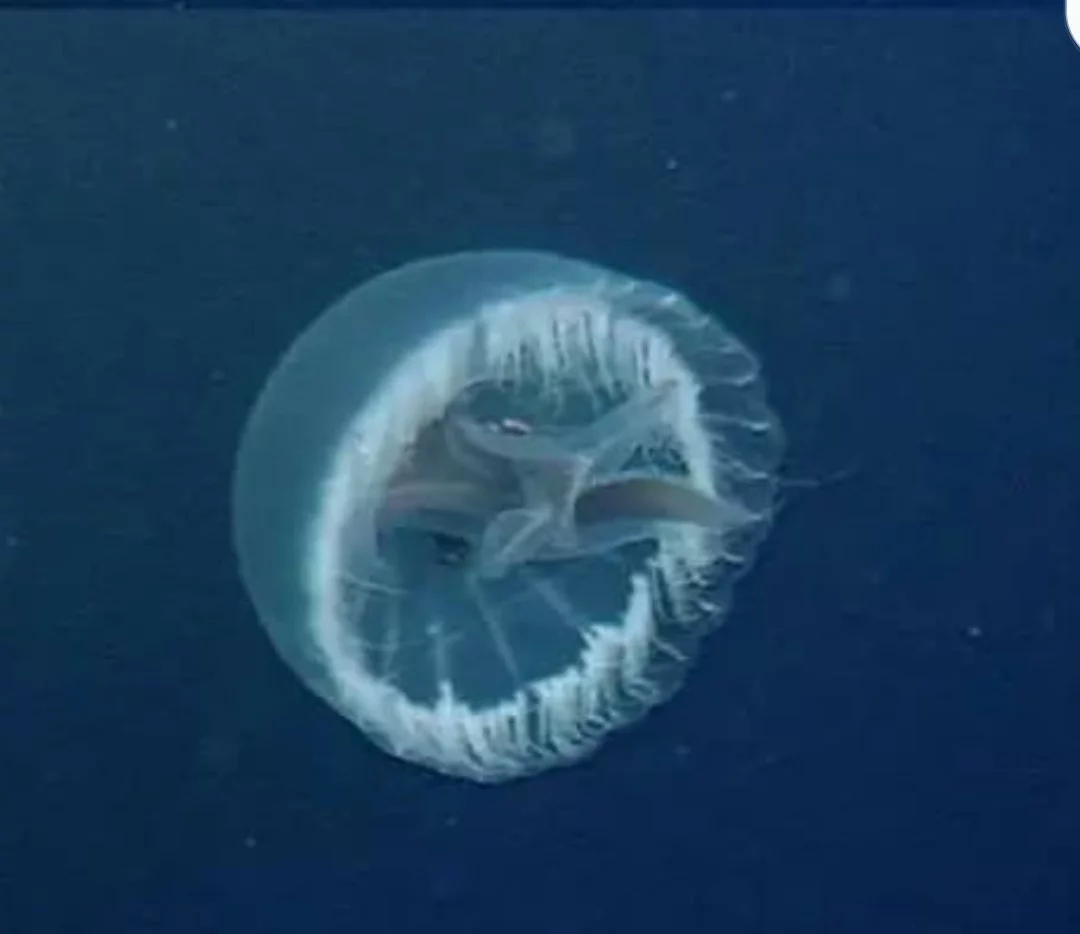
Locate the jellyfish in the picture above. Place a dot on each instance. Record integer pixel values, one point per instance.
(489, 504)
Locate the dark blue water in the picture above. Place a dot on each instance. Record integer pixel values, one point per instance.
(882, 738)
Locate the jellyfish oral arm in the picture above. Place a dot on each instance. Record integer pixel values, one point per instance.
(514, 536)
(539, 496)
(610, 441)
(623, 511)
(650, 499)
(638, 508)
(404, 498)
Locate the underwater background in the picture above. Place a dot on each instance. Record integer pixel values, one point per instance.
(882, 736)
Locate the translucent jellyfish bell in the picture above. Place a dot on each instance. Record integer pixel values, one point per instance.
(488, 504)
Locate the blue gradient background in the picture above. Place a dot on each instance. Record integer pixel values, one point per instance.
(882, 739)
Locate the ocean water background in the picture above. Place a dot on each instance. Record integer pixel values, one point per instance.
(882, 736)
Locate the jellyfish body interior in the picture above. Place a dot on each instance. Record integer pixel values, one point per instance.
(489, 504)
(509, 495)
